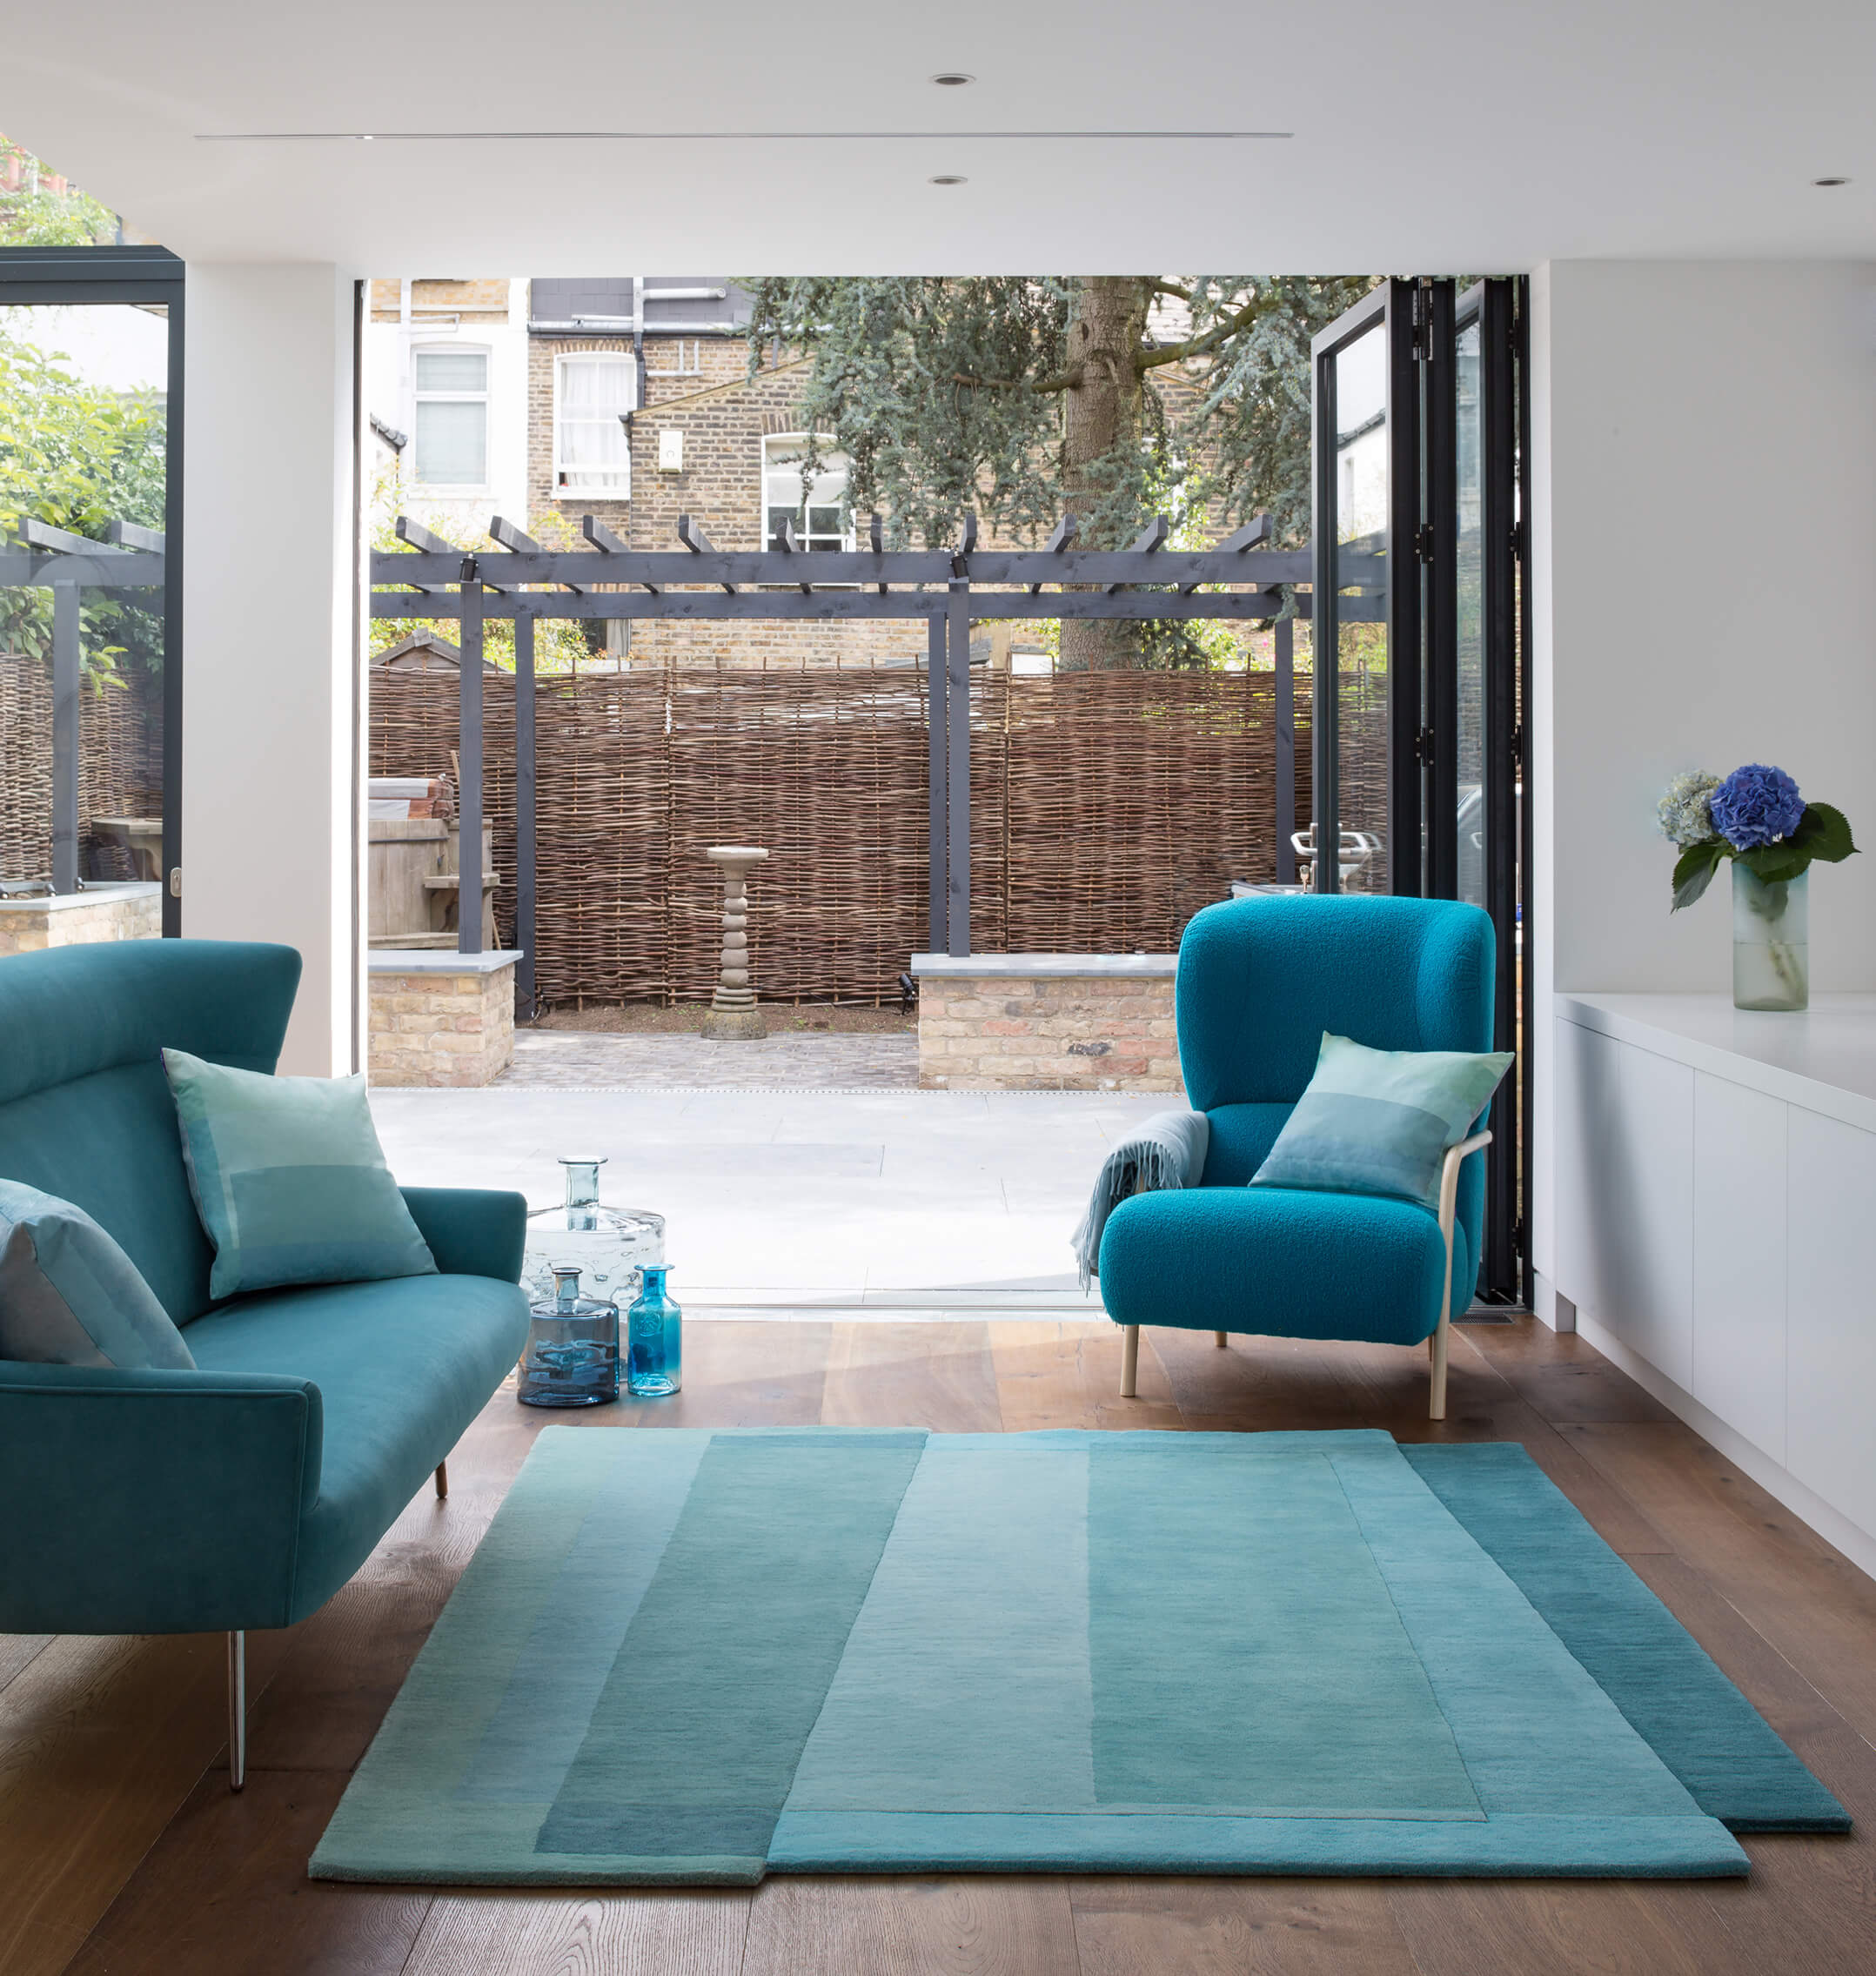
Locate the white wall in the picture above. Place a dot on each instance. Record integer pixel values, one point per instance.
(269, 842)
(1703, 593)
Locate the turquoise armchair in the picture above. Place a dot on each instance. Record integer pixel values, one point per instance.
(1259, 981)
(245, 1493)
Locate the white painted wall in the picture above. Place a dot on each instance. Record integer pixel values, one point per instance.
(1703, 593)
(269, 845)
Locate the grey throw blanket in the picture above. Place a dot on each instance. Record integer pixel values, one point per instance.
(1165, 1150)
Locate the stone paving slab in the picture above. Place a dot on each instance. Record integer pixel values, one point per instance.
(585, 1059)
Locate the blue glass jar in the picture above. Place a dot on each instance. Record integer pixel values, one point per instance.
(571, 1358)
(654, 1340)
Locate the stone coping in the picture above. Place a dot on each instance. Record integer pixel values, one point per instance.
(1046, 967)
(433, 960)
(92, 895)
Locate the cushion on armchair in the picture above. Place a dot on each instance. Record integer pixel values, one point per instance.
(1381, 1121)
(69, 1296)
(290, 1180)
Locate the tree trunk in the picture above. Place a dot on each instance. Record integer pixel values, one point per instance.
(1100, 447)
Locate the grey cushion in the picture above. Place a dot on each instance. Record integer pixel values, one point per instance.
(69, 1296)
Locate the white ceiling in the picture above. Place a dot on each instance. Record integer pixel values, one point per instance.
(1471, 137)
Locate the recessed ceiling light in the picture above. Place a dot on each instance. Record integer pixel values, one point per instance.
(1830, 181)
(949, 178)
(953, 79)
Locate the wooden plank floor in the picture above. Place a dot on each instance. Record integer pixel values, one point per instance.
(121, 1850)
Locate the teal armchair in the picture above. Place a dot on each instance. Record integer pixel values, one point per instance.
(245, 1493)
(1259, 981)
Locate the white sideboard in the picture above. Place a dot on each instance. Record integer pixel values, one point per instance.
(1716, 1229)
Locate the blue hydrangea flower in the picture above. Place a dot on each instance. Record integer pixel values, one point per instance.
(1684, 813)
(1756, 805)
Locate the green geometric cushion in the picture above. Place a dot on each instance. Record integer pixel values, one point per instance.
(290, 1180)
(69, 1296)
(1380, 1120)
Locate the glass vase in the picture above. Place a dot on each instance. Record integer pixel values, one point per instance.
(1770, 940)
(654, 1340)
(610, 1245)
(571, 1358)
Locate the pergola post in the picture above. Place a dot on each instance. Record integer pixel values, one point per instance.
(469, 769)
(957, 770)
(523, 810)
(67, 675)
(1286, 749)
(934, 724)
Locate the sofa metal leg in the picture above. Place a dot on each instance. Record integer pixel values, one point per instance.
(443, 1478)
(1224, 1338)
(1129, 1361)
(236, 1710)
(1436, 1403)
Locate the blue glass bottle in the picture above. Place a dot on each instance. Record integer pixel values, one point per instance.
(571, 1358)
(654, 1344)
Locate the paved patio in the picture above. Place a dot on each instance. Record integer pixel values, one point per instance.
(579, 1059)
(794, 1201)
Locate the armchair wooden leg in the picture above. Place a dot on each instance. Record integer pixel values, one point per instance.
(1129, 1361)
(443, 1478)
(236, 1710)
(1223, 1339)
(1436, 1406)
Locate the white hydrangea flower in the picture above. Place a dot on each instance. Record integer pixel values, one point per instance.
(1685, 812)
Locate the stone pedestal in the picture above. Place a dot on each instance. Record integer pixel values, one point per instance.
(440, 1020)
(77, 918)
(733, 1016)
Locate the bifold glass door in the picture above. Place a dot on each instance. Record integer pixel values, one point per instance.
(91, 734)
(1417, 610)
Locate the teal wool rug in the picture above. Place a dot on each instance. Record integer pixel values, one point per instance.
(685, 1657)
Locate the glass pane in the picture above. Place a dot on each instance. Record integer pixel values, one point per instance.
(606, 386)
(824, 521)
(452, 442)
(597, 442)
(1471, 622)
(452, 370)
(1362, 653)
(83, 445)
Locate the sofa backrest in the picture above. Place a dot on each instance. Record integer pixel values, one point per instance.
(1260, 979)
(85, 1106)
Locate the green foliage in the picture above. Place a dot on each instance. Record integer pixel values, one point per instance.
(560, 643)
(1822, 836)
(950, 395)
(76, 455)
(32, 217)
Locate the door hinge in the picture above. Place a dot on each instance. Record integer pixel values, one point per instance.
(1517, 541)
(1517, 748)
(1422, 542)
(1423, 747)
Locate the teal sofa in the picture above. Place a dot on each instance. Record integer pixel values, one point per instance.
(1258, 981)
(242, 1494)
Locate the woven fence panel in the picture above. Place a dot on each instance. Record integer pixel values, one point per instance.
(1133, 799)
(120, 766)
(1106, 808)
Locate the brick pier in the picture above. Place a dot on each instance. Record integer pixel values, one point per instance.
(1046, 1022)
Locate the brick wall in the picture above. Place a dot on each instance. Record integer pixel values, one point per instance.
(30, 926)
(436, 1029)
(1087, 1033)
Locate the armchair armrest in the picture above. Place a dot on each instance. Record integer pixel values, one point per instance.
(1449, 1198)
(152, 1502)
(472, 1231)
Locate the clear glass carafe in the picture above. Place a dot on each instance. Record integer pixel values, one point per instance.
(571, 1358)
(610, 1245)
